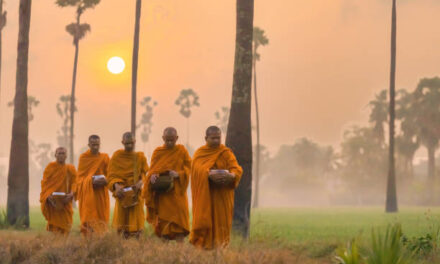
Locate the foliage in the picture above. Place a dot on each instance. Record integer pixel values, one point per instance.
(186, 100)
(388, 248)
(222, 117)
(32, 102)
(349, 254)
(63, 110)
(146, 120)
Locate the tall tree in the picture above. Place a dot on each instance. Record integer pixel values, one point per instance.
(135, 60)
(391, 199)
(78, 31)
(187, 99)
(146, 122)
(426, 106)
(379, 115)
(239, 136)
(222, 118)
(259, 39)
(32, 102)
(18, 176)
(63, 110)
(407, 143)
(2, 25)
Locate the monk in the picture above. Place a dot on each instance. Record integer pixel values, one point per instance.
(213, 205)
(168, 212)
(126, 172)
(92, 191)
(58, 177)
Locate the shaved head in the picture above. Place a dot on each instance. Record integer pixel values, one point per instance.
(212, 129)
(170, 131)
(128, 141)
(60, 149)
(61, 155)
(213, 136)
(127, 136)
(170, 137)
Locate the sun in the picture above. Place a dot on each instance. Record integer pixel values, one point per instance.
(116, 65)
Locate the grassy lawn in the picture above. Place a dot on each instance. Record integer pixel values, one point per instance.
(310, 232)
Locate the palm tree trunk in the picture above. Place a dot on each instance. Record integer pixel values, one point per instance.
(239, 135)
(18, 176)
(73, 99)
(135, 65)
(72, 106)
(391, 198)
(257, 119)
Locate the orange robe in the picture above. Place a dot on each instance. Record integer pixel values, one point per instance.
(94, 204)
(127, 168)
(57, 178)
(212, 206)
(168, 212)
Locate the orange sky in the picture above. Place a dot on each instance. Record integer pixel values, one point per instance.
(325, 60)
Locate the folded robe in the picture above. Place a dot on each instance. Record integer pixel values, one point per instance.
(94, 204)
(168, 212)
(127, 168)
(57, 178)
(212, 206)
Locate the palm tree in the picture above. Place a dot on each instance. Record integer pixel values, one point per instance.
(379, 115)
(187, 99)
(146, 122)
(222, 117)
(391, 199)
(135, 65)
(407, 143)
(259, 39)
(78, 31)
(2, 25)
(32, 102)
(426, 105)
(18, 175)
(239, 135)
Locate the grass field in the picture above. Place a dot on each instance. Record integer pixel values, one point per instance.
(306, 235)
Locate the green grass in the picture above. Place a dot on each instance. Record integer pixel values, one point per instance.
(312, 232)
(299, 225)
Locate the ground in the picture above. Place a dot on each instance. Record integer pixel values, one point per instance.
(289, 235)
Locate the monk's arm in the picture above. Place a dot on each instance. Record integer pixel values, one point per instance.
(233, 166)
(185, 172)
(112, 177)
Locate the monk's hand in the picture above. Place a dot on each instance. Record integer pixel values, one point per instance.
(68, 198)
(138, 186)
(50, 200)
(174, 174)
(153, 178)
(119, 192)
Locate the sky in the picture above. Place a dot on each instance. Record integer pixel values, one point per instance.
(325, 60)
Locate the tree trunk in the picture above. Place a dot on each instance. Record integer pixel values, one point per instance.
(135, 65)
(73, 99)
(18, 176)
(391, 199)
(72, 107)
(257, 119)
(1, 38)
(431, 172)
(239, 134)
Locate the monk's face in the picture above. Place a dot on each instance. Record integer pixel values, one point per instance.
(129, 143)
(61, 155)
(213, 139)
(94, 145)
(170, 139)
